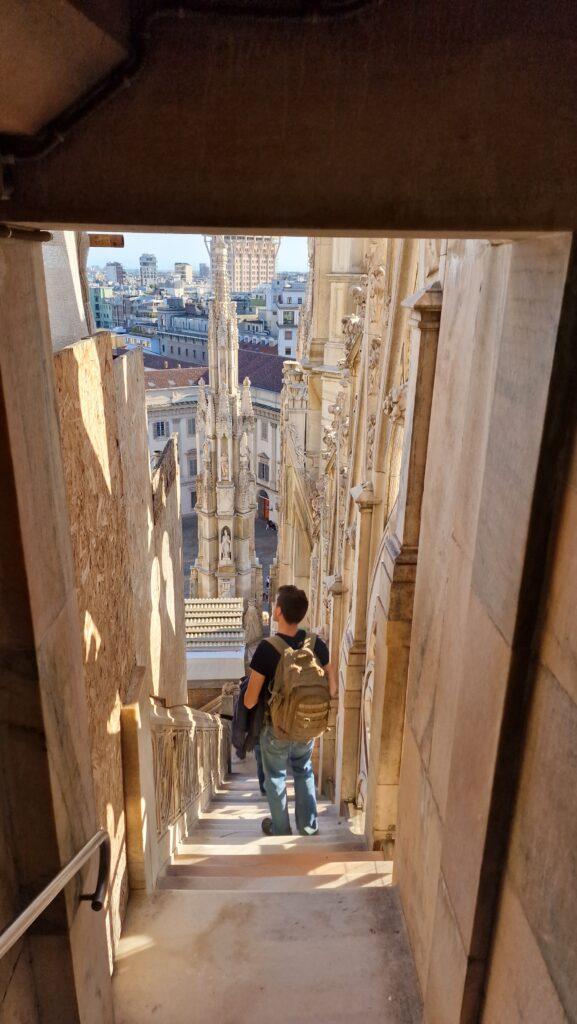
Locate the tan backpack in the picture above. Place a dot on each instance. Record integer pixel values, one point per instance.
(300, 702)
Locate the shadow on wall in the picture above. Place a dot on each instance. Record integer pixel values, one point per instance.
(127, 560)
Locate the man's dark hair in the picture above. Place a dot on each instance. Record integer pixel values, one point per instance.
(293, 603)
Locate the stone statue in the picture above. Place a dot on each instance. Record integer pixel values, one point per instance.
(244, 451)
(207, 459)
(225, 545)
(224, 465)
(246, 400)
(202, 404)
(252, 623)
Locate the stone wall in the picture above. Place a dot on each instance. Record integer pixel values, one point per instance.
(534, 959)
(127, 547)
(155, 541)
(501, 311)
(155, 555)
(64, 288)
(86, 396)
(60, 971)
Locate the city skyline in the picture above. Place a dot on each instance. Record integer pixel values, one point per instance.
(186, 248)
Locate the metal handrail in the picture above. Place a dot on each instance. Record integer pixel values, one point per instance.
(100, 841)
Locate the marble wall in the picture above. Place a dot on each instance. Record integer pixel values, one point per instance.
(127, 545)
(501, 311)
(47, 791)
(96, 499)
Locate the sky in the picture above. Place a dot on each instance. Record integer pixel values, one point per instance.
(170, 249)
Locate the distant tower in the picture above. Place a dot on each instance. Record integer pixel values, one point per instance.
(227, 565)
(251, 260)
(148, 269)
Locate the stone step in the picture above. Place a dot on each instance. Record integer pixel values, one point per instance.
(274, 845)
(370, 879)
(256, 812)
(219, 856)
(287, 865)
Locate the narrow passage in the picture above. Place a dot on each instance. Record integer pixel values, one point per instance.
(250, 929)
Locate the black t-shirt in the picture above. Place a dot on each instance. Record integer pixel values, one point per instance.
(265, 659)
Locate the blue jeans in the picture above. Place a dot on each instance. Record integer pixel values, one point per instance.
(259, 767)
(276, 757)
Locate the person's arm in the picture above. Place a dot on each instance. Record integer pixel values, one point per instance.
(255, 684)
(332, 678)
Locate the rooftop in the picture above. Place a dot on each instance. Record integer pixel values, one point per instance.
(213, 622)
(263, 369)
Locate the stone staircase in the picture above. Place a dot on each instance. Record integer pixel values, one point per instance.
(250, 929)
(227, 851)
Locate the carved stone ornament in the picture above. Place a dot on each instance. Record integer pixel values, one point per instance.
(371, 439)
(380, 295)
(359, 294)
(224, 418)
(374, 361)
(395, 403)
(353, 332)
(221, 334)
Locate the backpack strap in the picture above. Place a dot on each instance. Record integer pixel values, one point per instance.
(277, 642)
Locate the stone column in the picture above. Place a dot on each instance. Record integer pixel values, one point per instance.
(354, 652)
(182, 446)
(400, 562)
(328, 742)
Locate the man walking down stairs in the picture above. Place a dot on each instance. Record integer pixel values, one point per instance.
(277, 929)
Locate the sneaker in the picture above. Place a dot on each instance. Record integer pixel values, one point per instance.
(266, 825)
(308, 831)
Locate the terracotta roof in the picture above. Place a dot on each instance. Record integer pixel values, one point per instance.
(174, 378)
(152, 361)
(213, 622)
(259, 346)
(264, 371)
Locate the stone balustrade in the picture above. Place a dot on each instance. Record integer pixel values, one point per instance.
(191, 753)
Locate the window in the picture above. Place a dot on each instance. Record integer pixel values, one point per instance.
(192, 470)
(288, 335)
(160, 428)
(186, 351)
(192, 499)
(264, 430)
(263, 471)
(287, 350)
(300, 301)
(172, 349)
(288, 317)
(179, 349)
(191, 426)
